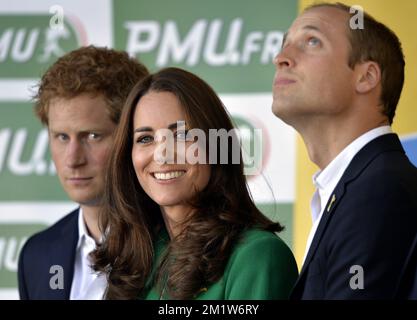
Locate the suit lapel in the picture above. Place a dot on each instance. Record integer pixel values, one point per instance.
(64, 255)
(70, 246)
(331, 205)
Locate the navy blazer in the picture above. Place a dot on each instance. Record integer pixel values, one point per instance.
(367, 228)
(53, 246)
(408, 285)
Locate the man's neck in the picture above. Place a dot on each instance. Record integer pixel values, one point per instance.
(90, 216)
(326, 142)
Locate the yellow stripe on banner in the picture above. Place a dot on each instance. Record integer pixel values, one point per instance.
(400, 16)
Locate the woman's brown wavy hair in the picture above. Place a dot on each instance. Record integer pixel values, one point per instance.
(132, 220)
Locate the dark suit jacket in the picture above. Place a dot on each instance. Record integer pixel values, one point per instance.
(371, 224)
(53, 246)
(408, 285)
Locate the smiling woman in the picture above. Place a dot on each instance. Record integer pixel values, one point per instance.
(177, 230)
(169, 185)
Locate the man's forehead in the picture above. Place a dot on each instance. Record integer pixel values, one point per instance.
(69, 117)
(80, 125)
(323, 19)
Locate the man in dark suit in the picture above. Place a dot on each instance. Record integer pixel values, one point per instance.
(80, 99)
(338, 81)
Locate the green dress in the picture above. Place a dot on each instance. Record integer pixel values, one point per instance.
(261, 266)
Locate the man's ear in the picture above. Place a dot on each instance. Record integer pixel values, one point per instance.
(369, 75)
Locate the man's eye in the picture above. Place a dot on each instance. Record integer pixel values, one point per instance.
(61, 136)
(313, 42)
(144, 139)
(94, 136)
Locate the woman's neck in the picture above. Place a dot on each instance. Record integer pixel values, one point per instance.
(174, 218)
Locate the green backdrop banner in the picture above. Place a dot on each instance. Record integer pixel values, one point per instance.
(230, 44)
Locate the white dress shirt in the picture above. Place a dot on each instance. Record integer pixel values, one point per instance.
(326, 180)
(86, 283)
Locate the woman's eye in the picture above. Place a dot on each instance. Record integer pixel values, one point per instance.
(181, 135)
(144, 139)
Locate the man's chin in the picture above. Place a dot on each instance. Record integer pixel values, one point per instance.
(85, 200)
(90, 203)
(280, 111)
